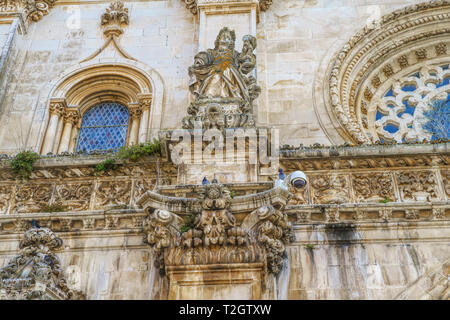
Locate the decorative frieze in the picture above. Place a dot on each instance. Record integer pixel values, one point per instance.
(417, 185)
(192, 5)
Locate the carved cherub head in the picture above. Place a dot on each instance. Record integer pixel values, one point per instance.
(225, 39)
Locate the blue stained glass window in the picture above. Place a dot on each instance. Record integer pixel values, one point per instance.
(104, 127)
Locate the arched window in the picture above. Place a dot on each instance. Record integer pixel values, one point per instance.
(104, 127)
(392, 82)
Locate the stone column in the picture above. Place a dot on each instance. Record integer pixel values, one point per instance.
(145, 102)
(57, 109)
(135, 114)
(74, 136)
(71, 118)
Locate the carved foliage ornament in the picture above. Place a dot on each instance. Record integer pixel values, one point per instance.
(214, 238)
(377, 56)
(36, 274)
(33, 9)
(223, 84)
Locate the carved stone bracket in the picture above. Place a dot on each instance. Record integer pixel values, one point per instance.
(32, 10)
(213, 235)
(36, 274)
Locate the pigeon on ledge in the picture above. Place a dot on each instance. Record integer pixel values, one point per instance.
(281, 175)
(34, 224)
(205, 181)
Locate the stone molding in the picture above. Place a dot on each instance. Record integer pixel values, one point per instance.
(376, 54)
(193, 5)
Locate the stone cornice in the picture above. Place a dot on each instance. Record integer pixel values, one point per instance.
(193, 5)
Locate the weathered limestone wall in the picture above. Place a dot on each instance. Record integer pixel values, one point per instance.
(160, 35)
(104, 265)
(296, 42)
(369, 261)
(339, 261)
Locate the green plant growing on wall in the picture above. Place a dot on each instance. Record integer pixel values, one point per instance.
(188, 223)
(55, 207)
(135, 152)
(22, 164)
(310, 246)
(385, 200)
(232, 194)
(132, 153)
(106, 165)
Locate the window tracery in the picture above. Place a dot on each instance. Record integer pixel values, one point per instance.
(407, 111)
(100, 108)
(390, 83)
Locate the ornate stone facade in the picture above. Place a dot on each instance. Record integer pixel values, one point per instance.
(367, 217)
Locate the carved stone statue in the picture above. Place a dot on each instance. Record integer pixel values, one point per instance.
(222, 84)
(36, 274)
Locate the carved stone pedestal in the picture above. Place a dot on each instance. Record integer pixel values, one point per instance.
(240, 281)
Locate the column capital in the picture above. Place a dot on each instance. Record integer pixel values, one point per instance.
(135, 110)
(145, 100)
(73, 116)
(58, 106)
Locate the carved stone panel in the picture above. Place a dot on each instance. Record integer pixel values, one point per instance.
(30, 197)
(75, 196)
(418, 186)
(112, 194)
(373, 187)
(5, 198)
(328, 189)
